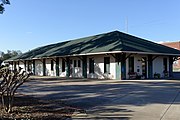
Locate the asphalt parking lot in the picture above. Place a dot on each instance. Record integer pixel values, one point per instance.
(113, 99)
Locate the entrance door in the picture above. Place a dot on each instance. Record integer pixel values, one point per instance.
(76, 70)
(144, 67)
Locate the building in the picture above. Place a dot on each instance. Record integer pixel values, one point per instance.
(113, 55)
(175, 45)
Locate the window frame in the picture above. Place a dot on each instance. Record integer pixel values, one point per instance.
(91, 65)
(131, 64)
(63, 65)
(79, 63)
(107, 65)
(52, 65)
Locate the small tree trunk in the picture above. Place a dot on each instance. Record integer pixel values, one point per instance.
(10, 103)
(9, 110)
(2, 99)
(12, 80)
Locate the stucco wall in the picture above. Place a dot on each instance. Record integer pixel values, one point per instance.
(99, 67)
(175, 45)
(38, 68)
(21, 64)
(76, 71)
(50, 72)
(137, 64)
(158, 65)
(61, 74)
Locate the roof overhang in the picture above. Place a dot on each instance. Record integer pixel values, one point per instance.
(99, 53)
(135, 52)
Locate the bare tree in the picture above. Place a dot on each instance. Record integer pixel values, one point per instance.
(10, 82)
(3, 2)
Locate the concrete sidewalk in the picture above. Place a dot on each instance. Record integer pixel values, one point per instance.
(113, 99)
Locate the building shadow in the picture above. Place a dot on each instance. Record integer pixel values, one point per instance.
(106, 99)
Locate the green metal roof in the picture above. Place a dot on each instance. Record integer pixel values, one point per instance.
(107, 42)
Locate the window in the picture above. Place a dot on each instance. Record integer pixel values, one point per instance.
(15, 66)
(52, 65)
(79, 63)
(106, 64)
(63, 65)
(70, 62)
(91, 65)
(131, 64)
(75, 64)
(29, 66)
(165, 64)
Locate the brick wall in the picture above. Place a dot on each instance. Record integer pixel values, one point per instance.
(175, 45)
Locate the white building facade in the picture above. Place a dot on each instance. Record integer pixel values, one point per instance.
(113, 55)
(101, 66)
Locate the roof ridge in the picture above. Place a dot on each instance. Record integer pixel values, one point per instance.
(99, 43)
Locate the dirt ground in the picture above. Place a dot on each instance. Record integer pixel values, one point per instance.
(29, 108)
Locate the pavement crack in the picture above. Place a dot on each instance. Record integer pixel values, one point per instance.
(178, 93)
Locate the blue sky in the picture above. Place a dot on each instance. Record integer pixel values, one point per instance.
(27, 24)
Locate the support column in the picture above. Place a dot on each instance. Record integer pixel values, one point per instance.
(57, 66)
(44, 67)
(170, 66)
(123, 66)
(25, 65)
(15, 66)
(18, 65)
(67, 67)
(28, 69)
(118, 66)
(150, 66)
(11, 65)
(34, 67)
(84, 66)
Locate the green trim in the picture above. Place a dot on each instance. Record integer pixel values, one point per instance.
(150, 66)
(44, 67)
(123, 67)
(84, 66)
(57, 66)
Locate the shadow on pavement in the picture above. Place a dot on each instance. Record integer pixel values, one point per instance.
(106, 99)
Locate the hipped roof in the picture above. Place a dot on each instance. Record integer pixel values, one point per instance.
(112, 42)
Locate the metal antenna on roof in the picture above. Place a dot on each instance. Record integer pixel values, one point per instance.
(126, 22)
